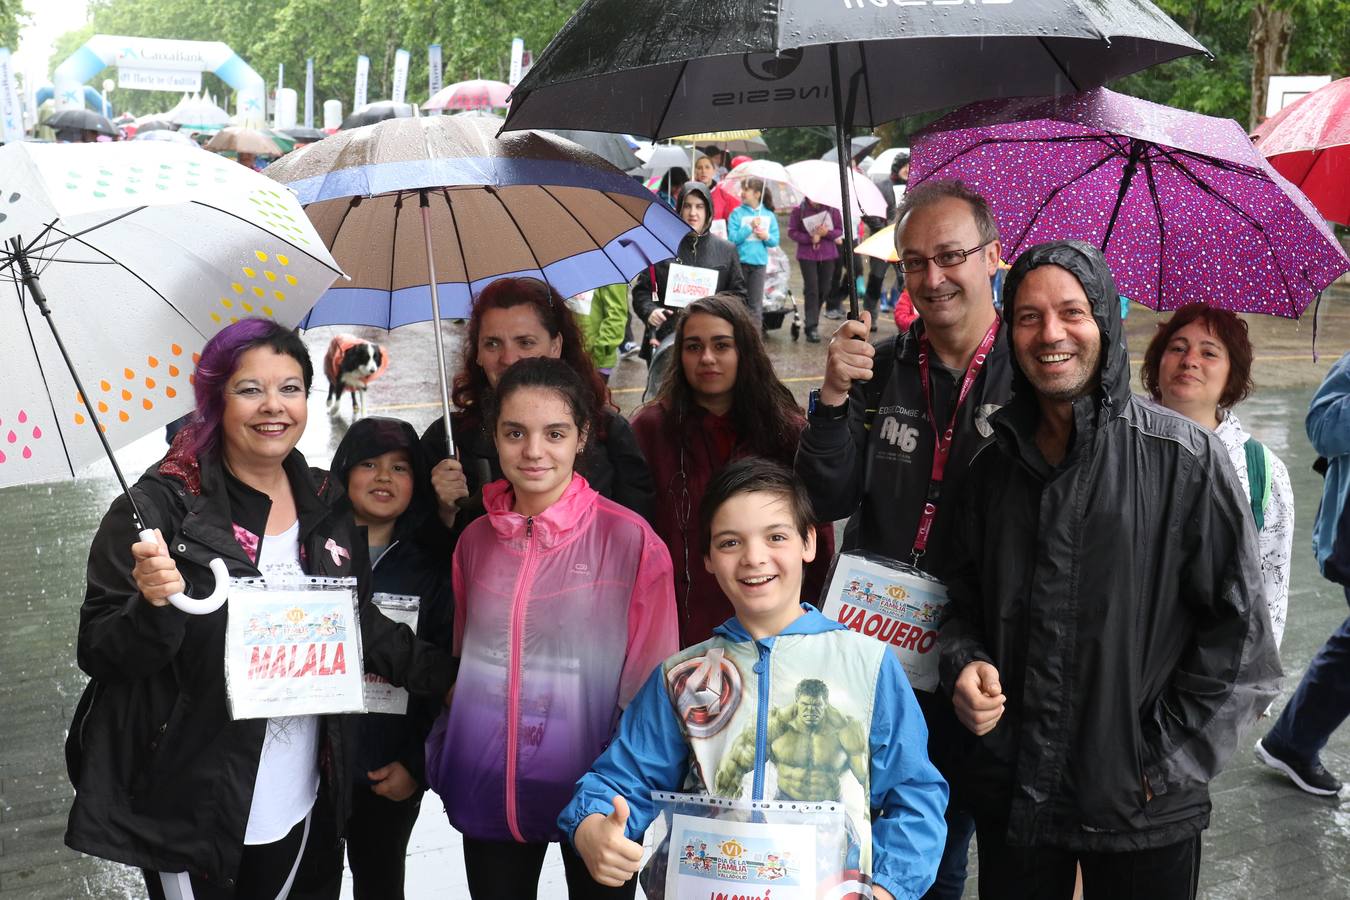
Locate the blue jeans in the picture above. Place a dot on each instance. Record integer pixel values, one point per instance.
(951, 873)
(1320, 702)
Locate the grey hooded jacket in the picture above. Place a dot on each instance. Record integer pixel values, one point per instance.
(1118, 594)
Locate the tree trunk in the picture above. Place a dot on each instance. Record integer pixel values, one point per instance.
(1271, 31)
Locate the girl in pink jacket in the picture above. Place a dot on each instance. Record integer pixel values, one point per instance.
(565, 604)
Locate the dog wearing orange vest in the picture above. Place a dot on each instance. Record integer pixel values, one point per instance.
(351, 364)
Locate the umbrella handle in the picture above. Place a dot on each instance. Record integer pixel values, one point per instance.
(218, 595)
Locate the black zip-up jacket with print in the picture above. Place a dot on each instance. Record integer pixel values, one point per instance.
(1118, 593)
(163, 777)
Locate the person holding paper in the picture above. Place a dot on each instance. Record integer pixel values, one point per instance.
(209, 806)
(388, 488)
(563, 605)
(753, 228)
(779, 695)
(1110, 643)
(721, 402)
(878, 427)
(699, 250)
(816, 229)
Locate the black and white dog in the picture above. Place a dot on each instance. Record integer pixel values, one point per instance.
(351, 364)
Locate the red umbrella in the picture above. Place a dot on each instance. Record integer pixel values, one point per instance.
(1308, 142)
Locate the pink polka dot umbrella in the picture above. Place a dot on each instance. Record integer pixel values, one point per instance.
(1183, 206)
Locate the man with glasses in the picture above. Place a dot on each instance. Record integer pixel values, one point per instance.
(893, 428)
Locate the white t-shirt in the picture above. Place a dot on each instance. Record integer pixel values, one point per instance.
(288, 770)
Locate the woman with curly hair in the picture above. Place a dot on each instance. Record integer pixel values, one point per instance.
(722, 402)
(514, 319)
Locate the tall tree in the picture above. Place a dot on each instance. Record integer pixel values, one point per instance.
(12, 17)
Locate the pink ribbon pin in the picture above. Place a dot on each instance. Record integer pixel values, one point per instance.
(338, 553)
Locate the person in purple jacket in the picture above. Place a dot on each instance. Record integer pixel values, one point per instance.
(817, 254)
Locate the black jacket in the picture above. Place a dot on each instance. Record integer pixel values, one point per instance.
(874, 465)
(1119, 595)
(613, 465)
(701, 249)
(163, 777)
(409, 568)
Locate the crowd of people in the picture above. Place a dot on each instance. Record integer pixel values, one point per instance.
(591, 587)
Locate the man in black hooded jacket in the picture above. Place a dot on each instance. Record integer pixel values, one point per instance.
(1109, 643)
(699, 249)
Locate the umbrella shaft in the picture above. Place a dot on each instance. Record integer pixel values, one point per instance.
(840, 127)
(1131, 166)
(34, 286)
(436, 319)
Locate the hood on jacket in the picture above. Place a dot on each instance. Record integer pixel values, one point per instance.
(811, 622)
(1085, 263)
(569, 512)
(377, 435)
(696, 187)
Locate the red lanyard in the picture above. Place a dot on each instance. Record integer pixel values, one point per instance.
(942, 444)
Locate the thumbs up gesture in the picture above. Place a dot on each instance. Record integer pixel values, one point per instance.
(609, 855)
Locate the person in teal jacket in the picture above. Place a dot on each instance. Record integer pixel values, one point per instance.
(777, 684)
(753, 228)
(602, 316)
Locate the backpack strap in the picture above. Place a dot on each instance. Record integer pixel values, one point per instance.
(1258, 479)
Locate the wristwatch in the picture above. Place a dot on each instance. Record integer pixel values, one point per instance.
(815, 407)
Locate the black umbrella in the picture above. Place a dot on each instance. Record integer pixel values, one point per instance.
(301, 133)
(378, 112)
(156, 125)
(774, 63)
(612, 148)
(858, 147)
(81, 120)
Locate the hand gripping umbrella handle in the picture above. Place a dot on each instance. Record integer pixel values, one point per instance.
(218, 595)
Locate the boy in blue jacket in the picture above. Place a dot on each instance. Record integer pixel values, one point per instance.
(753, 228)
(779, 691)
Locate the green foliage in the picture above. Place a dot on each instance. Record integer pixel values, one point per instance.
(475, 38)
(12, 16)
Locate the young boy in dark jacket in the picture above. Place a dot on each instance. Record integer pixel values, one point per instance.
(381, 464)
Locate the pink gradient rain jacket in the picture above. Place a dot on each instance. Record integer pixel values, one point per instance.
(559, 620)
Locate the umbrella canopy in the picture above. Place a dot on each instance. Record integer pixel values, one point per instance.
(171, 137)
(664, 157)
(775, 177)
(523, 203)
(239, 139)
(880, 245)
(753, 63)
(302, 135)
(1182, 205)
(81, 120)
(741, 140)
(883, 160)
(378, 112)
(859, 147)
(477, 93)
(145, 250)
(151, 123)
(614, 149)
(1308, 142)
(819, 181)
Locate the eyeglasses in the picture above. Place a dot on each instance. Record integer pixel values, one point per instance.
(945, 260)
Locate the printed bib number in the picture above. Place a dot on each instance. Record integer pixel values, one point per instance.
(293, 648)
(897, 604)
(685, 284)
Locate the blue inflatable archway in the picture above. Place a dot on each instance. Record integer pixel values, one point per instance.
(161, 57)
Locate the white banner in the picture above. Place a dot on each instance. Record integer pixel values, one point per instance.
(401, 58)
(433, 69)
(159, 80)
(285, 109)
(11, 113)
(517, 61)
(309, 92)
(159, 53)
(362, 76)
(332, 115)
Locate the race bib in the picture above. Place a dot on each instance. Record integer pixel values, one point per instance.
(685, 284)
(895, 603)
(381, 696)
(293, 648)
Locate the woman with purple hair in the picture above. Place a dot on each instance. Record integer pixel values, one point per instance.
(207, 806)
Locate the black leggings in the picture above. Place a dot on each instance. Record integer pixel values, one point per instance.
(265, 870)
(506, 870)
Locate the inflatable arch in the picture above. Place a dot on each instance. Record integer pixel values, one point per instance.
(92, 98)
(157, 61)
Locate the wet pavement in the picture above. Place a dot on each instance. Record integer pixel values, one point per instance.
(1267, 839)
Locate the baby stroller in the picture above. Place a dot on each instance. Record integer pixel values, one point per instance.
(778, 297)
